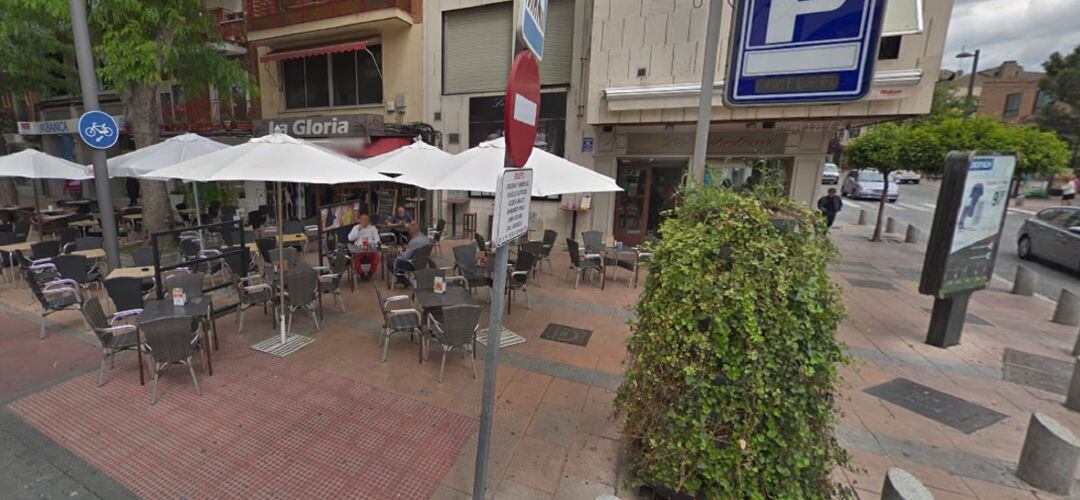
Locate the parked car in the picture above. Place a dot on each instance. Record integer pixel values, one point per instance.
(1052, 234)
(906, 176)
(830, 174)
(867, 184)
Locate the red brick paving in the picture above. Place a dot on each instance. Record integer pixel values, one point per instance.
(26, 362)
(264, 427)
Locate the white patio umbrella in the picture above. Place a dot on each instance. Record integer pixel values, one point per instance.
(416, 157)
(33, 164)
(273, 158)
(168, 152)
(478, 169)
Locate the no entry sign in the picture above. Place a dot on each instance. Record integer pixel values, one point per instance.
(522, 107)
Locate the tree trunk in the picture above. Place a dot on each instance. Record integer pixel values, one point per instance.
(142, 116)
(881, 207)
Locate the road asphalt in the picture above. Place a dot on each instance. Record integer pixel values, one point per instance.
(916, 206)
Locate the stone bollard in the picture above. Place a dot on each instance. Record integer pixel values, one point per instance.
(890, 225)
(1024, 284)
(912, 234)
(1072, 399)
(1049, 456)
(862, 218)
(901, 485)
(1067, 311)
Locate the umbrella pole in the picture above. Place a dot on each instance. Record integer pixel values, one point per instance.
(37, 206)
(198, 215)
(281, 263)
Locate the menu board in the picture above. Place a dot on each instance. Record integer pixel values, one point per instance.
(387, 202)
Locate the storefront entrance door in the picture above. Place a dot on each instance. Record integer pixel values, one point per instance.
(649, 189)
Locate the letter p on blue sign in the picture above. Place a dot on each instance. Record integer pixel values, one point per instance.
(802, 51)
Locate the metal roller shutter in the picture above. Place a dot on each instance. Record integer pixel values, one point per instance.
(476, 54)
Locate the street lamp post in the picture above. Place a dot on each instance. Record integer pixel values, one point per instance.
(971, 81)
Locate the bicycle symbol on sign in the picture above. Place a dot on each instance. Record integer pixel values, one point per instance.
(98, 131)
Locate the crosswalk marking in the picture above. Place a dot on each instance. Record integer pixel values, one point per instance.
(931, 206)
(852, 203)
(1021, 211)
(904, 205)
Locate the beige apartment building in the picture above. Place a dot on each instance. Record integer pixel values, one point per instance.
(620, 87)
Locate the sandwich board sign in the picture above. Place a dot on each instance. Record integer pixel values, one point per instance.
(531, 24)
(802, 51)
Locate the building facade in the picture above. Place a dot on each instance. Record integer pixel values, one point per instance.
(1007, 92)
(620, 87)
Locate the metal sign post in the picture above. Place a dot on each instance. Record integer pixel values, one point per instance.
(514, 192)
(963, 243)
(799, 51)
(88, 85)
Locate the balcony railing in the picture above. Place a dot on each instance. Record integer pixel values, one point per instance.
(204, 115)
(267, 14)
(231, 24)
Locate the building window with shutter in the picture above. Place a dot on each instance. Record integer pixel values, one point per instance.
(476, 41)
(350, 78)
(1012, 104)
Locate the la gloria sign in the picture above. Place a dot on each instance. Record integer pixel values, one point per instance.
(361, 125)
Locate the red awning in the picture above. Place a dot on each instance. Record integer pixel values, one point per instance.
(314, 51)
(385, 145)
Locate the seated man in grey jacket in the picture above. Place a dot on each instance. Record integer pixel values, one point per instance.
(417, 240)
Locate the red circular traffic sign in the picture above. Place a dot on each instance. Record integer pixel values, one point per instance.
(522, 110)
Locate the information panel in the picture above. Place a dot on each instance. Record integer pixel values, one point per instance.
(512, 205)
(971, 208)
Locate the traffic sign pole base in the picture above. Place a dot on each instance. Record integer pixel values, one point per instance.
(947, 320)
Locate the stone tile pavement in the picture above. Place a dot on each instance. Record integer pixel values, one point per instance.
(553, 437)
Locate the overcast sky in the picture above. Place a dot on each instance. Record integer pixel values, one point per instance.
(1025, 30)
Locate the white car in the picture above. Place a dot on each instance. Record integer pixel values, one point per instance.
(830, 174)
(906, 177)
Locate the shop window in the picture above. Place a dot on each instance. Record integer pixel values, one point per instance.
(747, 173)
(342, 79)
(1012, 104)
(889, 48)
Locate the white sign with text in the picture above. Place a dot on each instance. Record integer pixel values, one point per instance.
(512, 205)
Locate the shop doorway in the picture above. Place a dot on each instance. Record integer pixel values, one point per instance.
(649, 186)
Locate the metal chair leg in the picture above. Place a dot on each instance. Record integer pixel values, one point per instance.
(153, 390)
(41, 334)
(385, 347)
(101, 374)
(340, 300)
(240, 318)
(528, 305)
(442, 366)
(315, 318)
(472, 359)
(191, 369)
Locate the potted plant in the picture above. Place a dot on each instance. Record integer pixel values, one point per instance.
(731, 367)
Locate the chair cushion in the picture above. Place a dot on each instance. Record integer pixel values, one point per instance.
(404, 322)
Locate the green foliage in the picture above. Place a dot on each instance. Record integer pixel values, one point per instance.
(923, 145)
(34, 51)
(147, 42)
(731, 368)
(1063, 114)
(946, 104)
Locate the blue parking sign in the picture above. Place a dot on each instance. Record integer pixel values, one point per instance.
(802, 51)
(98, 129)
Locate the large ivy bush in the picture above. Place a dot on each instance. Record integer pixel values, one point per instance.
(731, 370)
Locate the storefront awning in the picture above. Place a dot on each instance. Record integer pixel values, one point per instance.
(385, 145)
(314, 51)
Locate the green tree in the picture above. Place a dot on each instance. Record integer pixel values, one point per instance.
(1063, 115)
(33, 59)
(144, 44)
(879, 149)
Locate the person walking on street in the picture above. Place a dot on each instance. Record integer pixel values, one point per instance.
(1068, 192)
(830, 205)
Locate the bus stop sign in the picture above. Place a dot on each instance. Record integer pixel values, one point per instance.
(802, 51)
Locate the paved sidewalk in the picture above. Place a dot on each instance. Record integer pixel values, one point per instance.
(1012, 361)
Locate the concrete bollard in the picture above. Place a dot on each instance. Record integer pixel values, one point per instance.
(890, 225)
(901, 485)
(862, 218)
(1049, 456)
(1072, 399)
(1024, 284)
(912, 235)
(1067, 311)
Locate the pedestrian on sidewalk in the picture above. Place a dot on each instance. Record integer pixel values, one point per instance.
(830, 205)
(1068, 192)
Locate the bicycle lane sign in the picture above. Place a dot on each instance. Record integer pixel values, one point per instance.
(98, 129)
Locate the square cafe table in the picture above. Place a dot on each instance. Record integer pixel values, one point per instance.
(131, 272)
(196, 308)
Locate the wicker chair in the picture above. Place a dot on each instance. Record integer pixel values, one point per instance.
(302, 292)
(330, 276)
(191, 283)
(79, 269)
(518, 280)
(436, 233)
(594, 241)
(536, 248)
(582, 264)
(54, 296)
(171, 341)
(45, 249)
(126, 293)
(455, 329)
(251, 288)
(396, 320)
(550, 237)
(465, 262)
(421, 259)
(112, 338)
